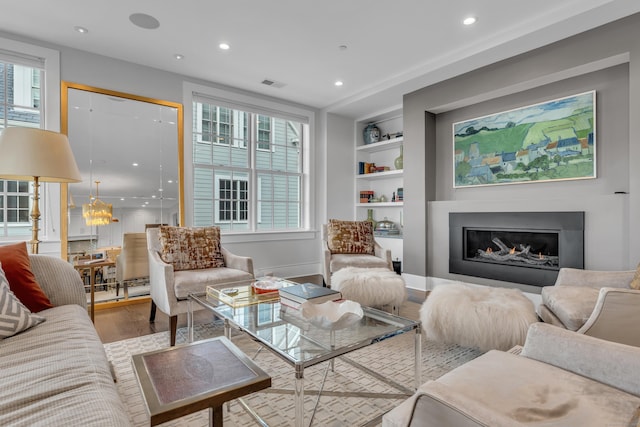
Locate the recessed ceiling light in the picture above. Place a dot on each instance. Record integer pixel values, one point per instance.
(338, 83)
(81, 30)
(469, 21)
(134, 164)
(145, 21)
(224, 46)
(122, 199)
(178, 56)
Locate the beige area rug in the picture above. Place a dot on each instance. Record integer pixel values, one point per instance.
(339, 405)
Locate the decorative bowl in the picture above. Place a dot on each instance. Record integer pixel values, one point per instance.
(267, 284)
(332, 314)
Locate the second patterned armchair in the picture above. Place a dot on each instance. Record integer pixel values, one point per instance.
(351, 244)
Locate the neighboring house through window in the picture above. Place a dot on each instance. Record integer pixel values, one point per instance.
(247, 167)
(20, 95)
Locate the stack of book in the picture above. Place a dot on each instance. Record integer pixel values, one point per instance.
(366, 196)
(294, 296)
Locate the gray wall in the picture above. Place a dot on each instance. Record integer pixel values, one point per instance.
(601, 59)
(296, 253)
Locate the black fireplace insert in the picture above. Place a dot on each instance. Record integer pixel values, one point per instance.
(520, 247)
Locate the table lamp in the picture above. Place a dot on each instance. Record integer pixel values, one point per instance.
(29, 154)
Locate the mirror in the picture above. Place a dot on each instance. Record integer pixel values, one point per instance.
(131, 145)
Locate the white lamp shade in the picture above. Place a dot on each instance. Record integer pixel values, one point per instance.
(26, 153)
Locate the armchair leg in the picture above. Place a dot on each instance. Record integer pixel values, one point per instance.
(173, 328)
(152, 315)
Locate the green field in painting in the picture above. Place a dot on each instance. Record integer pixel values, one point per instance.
(494, 141)
(518, 137)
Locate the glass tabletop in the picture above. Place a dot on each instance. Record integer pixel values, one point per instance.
(297, 339)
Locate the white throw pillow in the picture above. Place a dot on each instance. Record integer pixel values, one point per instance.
(14, 316)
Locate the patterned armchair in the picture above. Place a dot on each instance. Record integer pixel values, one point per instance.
(184, 260)
(351, 244)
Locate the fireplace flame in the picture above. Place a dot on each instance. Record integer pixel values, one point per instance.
(489, 250)
(512, 251)
(540, 255)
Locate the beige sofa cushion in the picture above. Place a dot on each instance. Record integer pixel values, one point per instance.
(188, 248)
(572, 305)
(532, 393)
(350, 237)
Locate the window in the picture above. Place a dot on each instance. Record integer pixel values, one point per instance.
(20, 96)
(247, 169)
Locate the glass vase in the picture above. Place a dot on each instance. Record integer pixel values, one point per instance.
(399, 161)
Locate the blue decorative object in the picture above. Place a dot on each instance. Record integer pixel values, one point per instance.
(371, 133)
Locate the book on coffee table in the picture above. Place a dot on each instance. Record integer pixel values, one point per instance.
(309, 292)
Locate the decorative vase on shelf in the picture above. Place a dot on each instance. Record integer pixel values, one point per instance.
(399, 161)
(371, 133)
(370, 218)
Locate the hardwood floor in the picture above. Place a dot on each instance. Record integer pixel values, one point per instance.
(132, 320)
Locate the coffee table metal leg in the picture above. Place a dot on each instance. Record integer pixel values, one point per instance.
(299, 396)
(418, 357)
(190, 320)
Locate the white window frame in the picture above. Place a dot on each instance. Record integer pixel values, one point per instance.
(25, 54)
(256, 104)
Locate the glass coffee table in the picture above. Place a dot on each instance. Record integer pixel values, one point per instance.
(298, 341)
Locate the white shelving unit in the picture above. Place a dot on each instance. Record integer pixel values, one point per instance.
(381, 153)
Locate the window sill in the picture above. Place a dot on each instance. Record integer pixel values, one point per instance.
(267, 236)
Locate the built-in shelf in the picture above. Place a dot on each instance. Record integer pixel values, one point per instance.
(380, 175)
(380, 146)
(387, 236)
(380, 204)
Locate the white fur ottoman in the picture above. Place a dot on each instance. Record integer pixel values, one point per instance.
(483, 317)
(371, 287)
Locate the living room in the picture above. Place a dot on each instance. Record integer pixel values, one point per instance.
(600, 58)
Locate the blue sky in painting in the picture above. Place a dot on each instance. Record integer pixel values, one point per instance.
(552, 110)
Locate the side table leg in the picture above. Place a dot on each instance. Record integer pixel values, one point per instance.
(215, 416)
(299, 396)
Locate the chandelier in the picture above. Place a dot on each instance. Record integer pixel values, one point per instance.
(97, 212)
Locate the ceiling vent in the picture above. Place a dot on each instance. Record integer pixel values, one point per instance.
(272, 83)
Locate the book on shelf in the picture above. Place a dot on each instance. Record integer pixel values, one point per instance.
(309, 292)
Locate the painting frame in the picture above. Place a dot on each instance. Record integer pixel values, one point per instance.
(553, 140)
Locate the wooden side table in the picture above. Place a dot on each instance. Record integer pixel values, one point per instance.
(180, 380)
(92, 265)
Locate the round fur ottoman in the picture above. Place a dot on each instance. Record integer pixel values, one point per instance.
(483, 317)
(371, 287)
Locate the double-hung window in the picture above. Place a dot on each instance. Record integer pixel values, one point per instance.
(20, 96)
(247, 168)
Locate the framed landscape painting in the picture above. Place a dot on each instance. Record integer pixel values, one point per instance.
(550, 141)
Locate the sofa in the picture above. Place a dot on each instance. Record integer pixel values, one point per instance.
(56, 373)
(602, 304)
(560, 378)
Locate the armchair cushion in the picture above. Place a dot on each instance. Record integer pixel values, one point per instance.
(22, 282)
(350, 237)
(572, 305)
(14, 316)
(635, 282)
(191, 248)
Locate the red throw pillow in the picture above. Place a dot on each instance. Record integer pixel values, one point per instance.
(15, 263)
